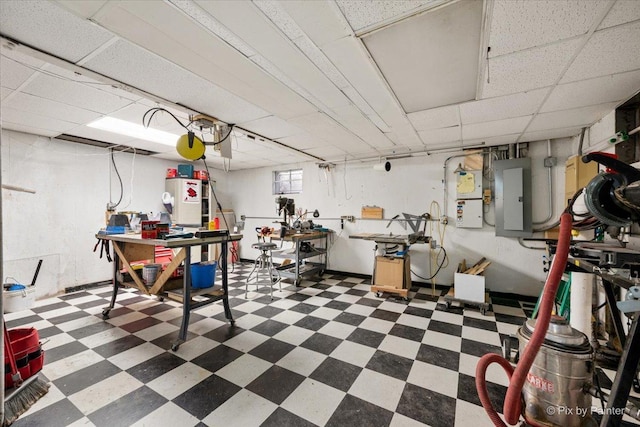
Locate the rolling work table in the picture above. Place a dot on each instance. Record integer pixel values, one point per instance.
(392, 273)
(300, 267)
(129, 248)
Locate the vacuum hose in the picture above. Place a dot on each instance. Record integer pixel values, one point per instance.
(517, 377)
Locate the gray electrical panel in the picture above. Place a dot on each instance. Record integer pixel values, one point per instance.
(513, 199)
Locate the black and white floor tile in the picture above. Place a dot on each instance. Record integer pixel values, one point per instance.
(329, 353)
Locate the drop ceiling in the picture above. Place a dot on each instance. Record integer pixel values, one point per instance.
(330, 80)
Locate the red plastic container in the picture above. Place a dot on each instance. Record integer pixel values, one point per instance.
(202, 175)
(172, 173)
(25, 344)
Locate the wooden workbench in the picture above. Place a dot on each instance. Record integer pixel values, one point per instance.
(131, 247)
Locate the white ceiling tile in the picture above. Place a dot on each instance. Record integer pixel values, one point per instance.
(28, 128)
(615, 87)
(85, 9)
(189, 45)
(303, 141)
(161, 120)
(210, 23)
(274, 11)
(18, 117)
(4, 92)
(490, 141)
(446, 145)
(328, 152)
(435, 118)
(272, 127)
(541, 135)
(570, 118)
(321, 124)
(247, 22)
(315, 55)
(349, 56)
(623, 11)
(366, 109)
(495, 128)
(317, 19)
(71, 93)
(502, 107)
(522, 24)
(12, 73)
(47, 108)
(362, 14)
(526, 70)
(160, 77)
(356, 122)
(404, 135)
(51, 28)
(438, 136)
(431, 70)
(607, 51)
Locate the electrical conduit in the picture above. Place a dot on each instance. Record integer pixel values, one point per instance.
(513, 401)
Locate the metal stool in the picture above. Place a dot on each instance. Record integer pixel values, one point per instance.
(264, 265)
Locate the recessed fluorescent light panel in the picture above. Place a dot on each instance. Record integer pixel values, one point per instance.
(438, 64)
(123, 127)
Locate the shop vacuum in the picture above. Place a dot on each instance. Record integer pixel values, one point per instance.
(552, 383)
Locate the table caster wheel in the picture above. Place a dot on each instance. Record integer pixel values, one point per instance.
(233, 322)
(321, 273)
(297, 282)
(405, 299)
(448, 305)
(175, 347)
(379, 294)
(161, 299)
(105, 313)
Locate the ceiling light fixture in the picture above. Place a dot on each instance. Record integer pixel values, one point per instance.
(123, 127)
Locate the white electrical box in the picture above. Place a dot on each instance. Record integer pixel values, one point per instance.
(187, 201)
(469, 213)
(469, 185)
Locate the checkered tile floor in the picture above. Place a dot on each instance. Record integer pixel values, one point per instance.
(329, 353)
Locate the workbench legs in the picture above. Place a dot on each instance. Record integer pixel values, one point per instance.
(187, 305)
(116, 261)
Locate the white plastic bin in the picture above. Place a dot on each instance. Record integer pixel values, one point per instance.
(18, 300)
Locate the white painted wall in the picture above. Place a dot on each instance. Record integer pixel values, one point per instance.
(411, 186)
(58, 223)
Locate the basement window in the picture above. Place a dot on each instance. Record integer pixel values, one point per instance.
(287, 182)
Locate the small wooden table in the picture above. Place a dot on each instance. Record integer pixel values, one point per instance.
(131, 247)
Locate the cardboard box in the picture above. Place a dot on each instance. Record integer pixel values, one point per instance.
(469, 287)
(389, 272)
(371, 212)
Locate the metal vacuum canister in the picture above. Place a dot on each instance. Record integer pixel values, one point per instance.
(554, 392)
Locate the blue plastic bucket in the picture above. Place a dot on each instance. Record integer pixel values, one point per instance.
(203, 274)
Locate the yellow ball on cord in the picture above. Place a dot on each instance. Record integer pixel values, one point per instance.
(190, 147)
